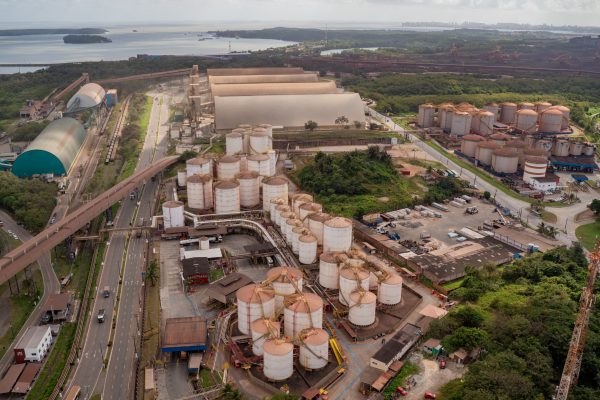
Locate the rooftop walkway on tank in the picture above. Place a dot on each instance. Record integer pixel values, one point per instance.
(27, 253)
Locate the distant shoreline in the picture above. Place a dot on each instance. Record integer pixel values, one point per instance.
(30, 32)
(85, 39)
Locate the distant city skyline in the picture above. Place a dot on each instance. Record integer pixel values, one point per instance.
(63, 13)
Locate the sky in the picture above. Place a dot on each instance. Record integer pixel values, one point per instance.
(370, 13)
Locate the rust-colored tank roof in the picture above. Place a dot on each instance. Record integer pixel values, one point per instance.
(258, 157)
(330, 257)
(238, 130)
(427, 105)
(231, 184)
(461, 113)
(486, 113)
(488, 145)
(363, 297)
(543, 103)
(284, 274)
(508, 104)
(306, 302)
(499, 136)
(473, 138)
(527, 112)
(247, 175)
(338, 222)
(259, 130)
(278, 200)
(300, 230)
(505, 152)
(552, 111)
(301, 196)
(311, 207)
(283, 208)
(293, 221)
(229, 159)
(353, 273)
(319, 217)
(259, 134)
(534, 152)
(245, 126)
(253, 293)
(516, 144)
(315, 336)
(274, 180)
(199, 178)
(172, 204)
(526, 104)
(561, 108)
(262, 326)
(277, 347)
(236, 135)
(266, 126)
(536, 160)
(197, 161)
(307, 238)
(394, 279)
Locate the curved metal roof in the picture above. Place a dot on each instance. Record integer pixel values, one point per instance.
(53, 151)
(261, 89)
(88, 96)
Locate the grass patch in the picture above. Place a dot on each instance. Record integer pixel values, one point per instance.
(21, 306)
(151, 329)
(453, 285)
(207, 379)
(216, 274)
(588, 234)
(400, 380)
(549, 217)
(135, 132)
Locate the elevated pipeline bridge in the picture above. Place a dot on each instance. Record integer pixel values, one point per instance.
(27, 253)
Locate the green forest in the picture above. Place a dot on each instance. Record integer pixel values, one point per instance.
(521, 317)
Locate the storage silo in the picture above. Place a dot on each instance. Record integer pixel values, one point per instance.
(307, 249)
(272, 188)
(278, 359)
(234, 143)
(296, 233)
(535, 167)
(390, 290)
(276, 202)
(298, 199)
(314, 349)
(329, 272)
(268, 129)
(486, 123)
(244, 126)
(309, 208)
(259, 163)
(446, 112)
(527, 120)
(337, 234)
(475, 121)
(426, 114)
(285, 280)
(200, 192)
(540, 106)
(272, 154)
(181, 178)
(492, 108)
(576, 148)
(519, 146)
(565, 111)
(526, 106)
(302, 312)
(363, 305)
(469, 143)
(249, 189)
(173, 216)
(253, 302)
(351, 279)
(551, 121)
(315, 222)
(284, 208)
(484, 152)
(259, 142)
(263, 329)
(505, 161)
(508, 112)
(461, 123)
(500, 138)
(589, 150)
(198, 165)
(228, 167)
(227, 197)
(544, 144)
(290, 224)
(535, 152)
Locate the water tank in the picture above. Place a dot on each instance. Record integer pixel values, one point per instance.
(363, 305)
(469, 143)
(337, 234)
(535, 152)
(535, 167)
(249, 189)
(485, 126)
(307, 249)
(505, 161)
(561, 148)
(526, 106)
(589, 150)
(519, 146)
(576, 148)
(329, 272)
(484, 152)
(268, 129)
(446, 115)
(461, 123)
(200, 192)
(259, 163)
(298, 199)
(228, 167)
(253, 302)
(290, 224)
(527, 120)
(492, 108)
(500, 138)
(198, 165)
(245, 126)
(181, 178)
(284, 208)
(272, 154)
(309, 208)
(234, 143)
(296, 233)
(272, 188)
(284, 280)
(351, 279)
(227, 197)
(426, 114)
(508, 112)
(302, 312)
(260, 142)
(314, 349)
(263, 329)
(316, 223)
(540, 106)
(173, 214)
(564, 125)
(544, 144)
(204, 243)
(551, 121)
(530, 140)
(278, 359)
(390, 290)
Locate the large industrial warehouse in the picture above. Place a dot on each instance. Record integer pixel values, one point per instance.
(88, 96)
(53, 151)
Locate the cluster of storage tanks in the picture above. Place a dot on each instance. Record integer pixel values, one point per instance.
(464, 118)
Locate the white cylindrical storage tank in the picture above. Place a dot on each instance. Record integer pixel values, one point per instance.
(352, 279)
(446, 115)
(204, 243)
(298, 199)
(290, 224)
(535, 167)
(181, 178)
(564, 125)
(259, 163)
(461, 123)
(390, 290)
(234, 143)
(589, 149)
(469, 144)
(363, 305)
(508, 112)
(530, 140)
(486, 123)
(272, 188)
(500, 138)
(316, 225)
(249, 189)
(253, 302)
(263, 329)
(576, 148)
(303, 312)
(307, 249)
(259, 143)
(228, 167)
(198, 165)
(227, 197)
(268, 129)
(273, 207)
(492, 108)
(551, 121)
(173, 214)
(561, 148)
(519, 147)
(200, 191)
(296, 233)
(337, 234)
(278, 359)
(526, 106)
(329, 272)
(272, 162)
(484, 152)
(314, 350)
(535, 152)
(284, 280)
(283, 217)
(541, 106)
(505, 161)
(527, 120)
(284, 208)
(309, 208)
(426, 114)
(544, 144)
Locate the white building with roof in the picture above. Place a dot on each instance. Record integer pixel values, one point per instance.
(34, 345)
